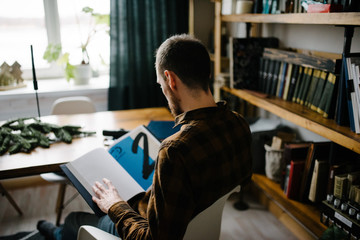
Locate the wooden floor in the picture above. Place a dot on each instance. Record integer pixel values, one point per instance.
(39, 203)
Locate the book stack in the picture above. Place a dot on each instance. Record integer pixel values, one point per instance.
(313, 170)
(299, 6)
(307, 80)
(351, 76)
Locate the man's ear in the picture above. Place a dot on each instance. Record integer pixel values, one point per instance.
(171, 79)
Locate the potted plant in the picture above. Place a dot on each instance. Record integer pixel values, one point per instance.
(81, 73)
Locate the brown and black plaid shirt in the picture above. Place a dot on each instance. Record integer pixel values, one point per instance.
(206, 159)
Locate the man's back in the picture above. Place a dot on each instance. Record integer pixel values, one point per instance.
(207, 158)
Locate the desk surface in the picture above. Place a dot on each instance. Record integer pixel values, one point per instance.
(42, 160)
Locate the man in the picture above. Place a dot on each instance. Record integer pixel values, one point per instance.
(207, 158)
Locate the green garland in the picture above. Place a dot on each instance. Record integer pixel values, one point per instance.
(25, 134)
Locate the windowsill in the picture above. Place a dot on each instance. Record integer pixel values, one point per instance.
(53, 86)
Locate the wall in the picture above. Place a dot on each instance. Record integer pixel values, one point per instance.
(22, 102)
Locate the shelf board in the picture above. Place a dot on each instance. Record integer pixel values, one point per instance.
(302, 116)
(349, 18)
(308, 215)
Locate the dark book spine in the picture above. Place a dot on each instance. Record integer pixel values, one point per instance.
(306, 86)
(319, 91)
(341, 111)
(268, 80)
(298, 83)
(312, 87)
(275, 78)
(294, 78)
(302, 84)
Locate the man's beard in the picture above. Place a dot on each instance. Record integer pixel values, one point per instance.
(174, 105)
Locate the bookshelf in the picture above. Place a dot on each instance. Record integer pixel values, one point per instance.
(301, 116)
(307, 216)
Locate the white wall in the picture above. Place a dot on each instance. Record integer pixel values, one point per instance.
(22, 102)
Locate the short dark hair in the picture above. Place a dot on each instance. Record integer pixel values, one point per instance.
(188, 58)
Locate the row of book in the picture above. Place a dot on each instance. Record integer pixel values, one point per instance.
(292, 77)
(314, 169)
(293, 6)
(351, 75)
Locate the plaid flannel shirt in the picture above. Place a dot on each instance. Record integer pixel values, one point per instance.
(207, 158)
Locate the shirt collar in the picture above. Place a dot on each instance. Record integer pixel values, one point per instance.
(197, 114)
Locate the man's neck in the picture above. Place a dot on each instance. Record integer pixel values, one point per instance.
(201, 100)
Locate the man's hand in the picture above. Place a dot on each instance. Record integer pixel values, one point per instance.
(105, 197)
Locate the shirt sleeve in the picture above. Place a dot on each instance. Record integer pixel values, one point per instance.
(170, 206)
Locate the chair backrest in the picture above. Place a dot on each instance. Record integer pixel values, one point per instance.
(206, 225)
(73, 105)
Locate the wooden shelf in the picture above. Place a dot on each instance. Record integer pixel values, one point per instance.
(349, 18)
(308, 215)
(302, 116)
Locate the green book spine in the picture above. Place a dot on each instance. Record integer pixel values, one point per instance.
(306, 86)
(327, 95)
(302, 84)
(298, 82)
(319, 91)
(294, 78)
(312, 88)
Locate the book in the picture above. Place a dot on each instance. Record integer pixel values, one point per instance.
(319, 179)
(350, 96)
(305, 89)
(293, 152)
(128, 164)
(281, 70)
(328, 96)
(340, 186)
(353, 180)
(319, 89)
(295, 173)
(302, 84)
(341, 109)
(286, 181)
(263, 82)
(317, 150)
(294, 78)
(356, 78)
(245, 56)
(282, 80)
(275, 78)
(353, 90)
(298, 83)
(162, 129)
(312, 88)
(287, 81)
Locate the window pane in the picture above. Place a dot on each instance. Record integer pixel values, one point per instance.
(78, 27)
(20, 28)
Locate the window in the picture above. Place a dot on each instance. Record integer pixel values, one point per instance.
(40, 22)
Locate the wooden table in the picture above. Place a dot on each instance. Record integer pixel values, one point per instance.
(42, 160)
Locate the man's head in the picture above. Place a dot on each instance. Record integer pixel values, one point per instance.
(189, 60)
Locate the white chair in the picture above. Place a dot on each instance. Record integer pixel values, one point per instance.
(206, 225)
(73, 105)
(66, 105)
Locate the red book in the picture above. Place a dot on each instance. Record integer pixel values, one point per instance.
(295, 175)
